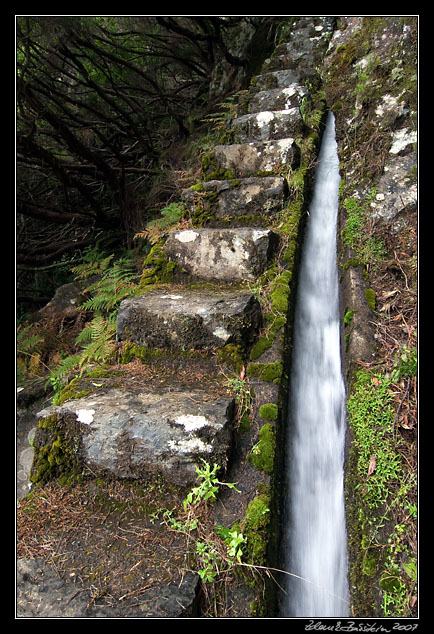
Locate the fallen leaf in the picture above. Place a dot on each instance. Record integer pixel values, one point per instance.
(242, 373)
(372, 465)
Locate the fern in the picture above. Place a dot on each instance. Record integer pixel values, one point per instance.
(115, 284)
(172, 216)
(62, 372)
(116, 281)
(101, 332)
(94, 263)
(27, 343)
(28, 352)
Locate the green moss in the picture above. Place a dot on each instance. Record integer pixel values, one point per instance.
(262, 455)
(352, 263)
(232, 355)
(270, 372)
(266, 341)
(348, 317)
(157, 269)
(370, 296)
(131, 351)
(73, 391)
(255, 529)
(269, 411)
(56, 456)
(280, 291)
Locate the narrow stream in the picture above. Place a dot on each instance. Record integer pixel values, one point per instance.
(315, 539)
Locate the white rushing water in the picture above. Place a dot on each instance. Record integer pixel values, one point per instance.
(316, 535)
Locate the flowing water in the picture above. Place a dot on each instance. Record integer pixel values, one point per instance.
(316, 537)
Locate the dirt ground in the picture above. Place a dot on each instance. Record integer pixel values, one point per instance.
(101, 540)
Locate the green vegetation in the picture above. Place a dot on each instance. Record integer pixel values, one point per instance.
(219, 550)
(383, 489)
(115, 281)
(355, 234)
(262, 454)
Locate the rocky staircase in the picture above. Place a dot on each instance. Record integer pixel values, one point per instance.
(131, 427)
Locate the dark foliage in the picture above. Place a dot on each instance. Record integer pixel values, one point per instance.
(100, 101)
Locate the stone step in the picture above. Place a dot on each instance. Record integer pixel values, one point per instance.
(222, 254)
(305, 48)
(277, 98)
(268, 125)
(189, 319)
(247, 159)
(223, 201)
(136, 433)
(277, 79)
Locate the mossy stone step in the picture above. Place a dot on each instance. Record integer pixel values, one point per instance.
(189, 319)
(220, 202)
(248, 159)
(277, 99)
(222, 254)
(268, 125)
(134, 432)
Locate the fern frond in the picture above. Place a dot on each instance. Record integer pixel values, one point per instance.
(59, 376)
(94, 263)
(102, 340)
(115, 284)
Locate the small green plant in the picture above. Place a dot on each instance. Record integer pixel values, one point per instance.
(242, 393)
(227, 110)
(208, 488)
(405, 365)
(234, 540)
(348, 317)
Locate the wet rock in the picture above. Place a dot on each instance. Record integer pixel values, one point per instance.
(232, 199)
(245, 159)
(133, 433)
(189, 319)
(222, 254)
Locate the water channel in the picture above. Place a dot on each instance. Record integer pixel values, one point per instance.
(315, 534)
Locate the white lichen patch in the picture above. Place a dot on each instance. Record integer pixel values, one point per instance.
(191, 422)
(186, 236)
(190, 445)
(221, 333)
(402, 138)
(264, 118)
(259, 233)
(85, 416)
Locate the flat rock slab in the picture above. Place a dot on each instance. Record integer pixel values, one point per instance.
(189, 319)
(268, 125)
(133, 433)
(245, 159)
(232, 199)
(222, 254)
